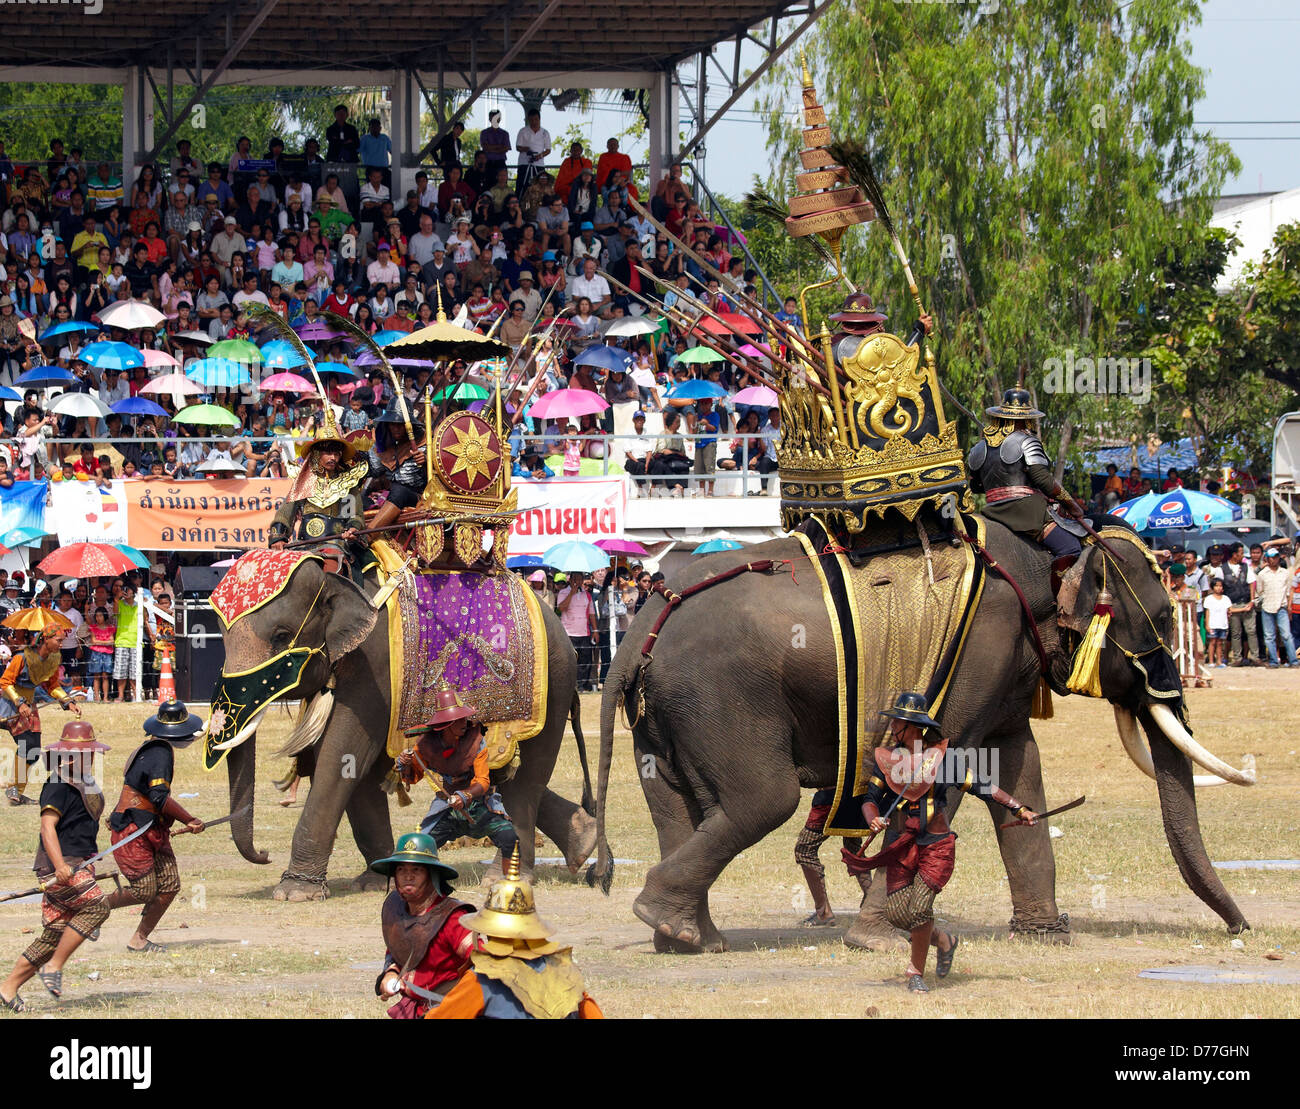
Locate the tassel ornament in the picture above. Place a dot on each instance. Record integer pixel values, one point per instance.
(1085, 678)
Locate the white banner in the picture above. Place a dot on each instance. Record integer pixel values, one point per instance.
(80, 513)
(562, 509)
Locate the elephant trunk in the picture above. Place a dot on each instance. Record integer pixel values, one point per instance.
(241, 762)
(1173, 772)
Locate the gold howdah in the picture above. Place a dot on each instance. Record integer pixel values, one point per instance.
(894, 448)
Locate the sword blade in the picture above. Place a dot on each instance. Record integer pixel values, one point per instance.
(220, 820)
(1065, 808)
(116, 847)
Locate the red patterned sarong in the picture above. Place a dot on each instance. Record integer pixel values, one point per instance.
(140, 856)
(932, 862)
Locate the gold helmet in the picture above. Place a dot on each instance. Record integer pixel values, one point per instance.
(509, 921)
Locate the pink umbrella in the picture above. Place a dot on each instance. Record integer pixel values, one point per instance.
(174, 384)
(750, 350)
(158, 358)
(758, 395)
(621, 546)
(286, 383)
(318, 331)
(567, 402)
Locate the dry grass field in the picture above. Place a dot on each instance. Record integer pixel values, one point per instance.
(235, 953)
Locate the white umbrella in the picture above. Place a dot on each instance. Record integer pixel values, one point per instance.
(80, 405)
(202, 338)
(633, 325)
(131, 315)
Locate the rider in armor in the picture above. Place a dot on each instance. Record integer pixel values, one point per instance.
(1011, 468)
(398, 457)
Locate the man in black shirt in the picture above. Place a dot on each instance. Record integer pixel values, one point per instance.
(149, 862)
(142, 277)
(408, 216)
(251, 216)
(74, 906)
(341, 138)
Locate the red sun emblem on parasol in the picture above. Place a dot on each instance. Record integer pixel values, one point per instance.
(467, 453)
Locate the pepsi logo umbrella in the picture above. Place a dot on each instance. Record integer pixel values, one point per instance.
(1178, 508)
(111, 356)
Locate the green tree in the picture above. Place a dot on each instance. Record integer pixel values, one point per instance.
(1035, 159)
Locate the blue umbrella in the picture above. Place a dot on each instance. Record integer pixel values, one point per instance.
(576, 556)
(111, 356)
(525, 562)
(383, 338)
(137, 406)
(9, 394)
(22, 537)
(605, 358)
(1179, 508)
(696, 390)
(67, 327)
(219, 373)
(280, 355)
(714, 545)
(44, 376)
(134, 555)
(336, 369)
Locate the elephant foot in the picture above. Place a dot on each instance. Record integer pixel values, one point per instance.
(369, 882)
(301, 888)
(679, 934)
(871, 935)
(581, 841)
(1057, 931)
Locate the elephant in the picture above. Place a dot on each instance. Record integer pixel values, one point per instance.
(722, 779)
(319, 608)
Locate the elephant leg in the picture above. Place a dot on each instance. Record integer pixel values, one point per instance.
(372, 829)
(675, 817)
(569, 827)
(870, 931)
(1027, 852)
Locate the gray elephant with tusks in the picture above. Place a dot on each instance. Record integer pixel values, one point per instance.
(732, 719)
(321, 641)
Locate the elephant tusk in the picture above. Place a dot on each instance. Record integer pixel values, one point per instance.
(1174, 731)
(244, 733)
(1133, 742)
(1247, 768)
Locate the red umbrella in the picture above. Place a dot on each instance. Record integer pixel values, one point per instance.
(733, 321)
(87, 560)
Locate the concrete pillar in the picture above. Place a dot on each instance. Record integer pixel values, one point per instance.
(405, 134)
(137, 125)
(664, 124)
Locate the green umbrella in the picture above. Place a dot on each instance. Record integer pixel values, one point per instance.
(700, 354)
(237, 350)
(206, 414)
(466, 390)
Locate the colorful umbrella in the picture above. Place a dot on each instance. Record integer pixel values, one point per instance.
(383, 338)
(44, 377)
(729, 323)
(131, 315)
(759, 396)
(576, 556)
(334, 369)
(622, 546)
(1179, 508)
(37, 620)
(237, 350)
(478, 406)
(218, 373)
(466, 390)
(279, 355)
(696, 390)
(714, 545)
(696, 355)
(749, 350)
(136, 556)
(137, 406)
(206, 414)
(176, 384)
(524, 562)
(286, 383)
(567, 402)
(67, 327)
(80, 405)
(605, 358)
(23, 537)
(86, 560)
(154, 358)
(111, 356)
(318, 331)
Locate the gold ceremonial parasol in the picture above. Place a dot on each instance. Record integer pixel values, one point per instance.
(442, 341)
(37, 620)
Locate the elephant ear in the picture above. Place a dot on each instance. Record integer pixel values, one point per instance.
(349, 614)
(1080, 588)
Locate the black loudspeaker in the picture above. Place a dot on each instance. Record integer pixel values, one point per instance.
(198, 581)
(200, 653)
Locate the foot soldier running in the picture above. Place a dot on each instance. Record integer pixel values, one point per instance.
(516, 971)
(74, 906)
(149, 863)
(427, 944)
(1009, 465)
(30, 680)
(919, 860)
(811, 837)
(451, 750)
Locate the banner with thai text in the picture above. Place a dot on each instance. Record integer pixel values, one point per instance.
(201, 515)
(85, 512)
(562, 509)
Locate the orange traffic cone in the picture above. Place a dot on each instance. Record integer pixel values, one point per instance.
(166, 683)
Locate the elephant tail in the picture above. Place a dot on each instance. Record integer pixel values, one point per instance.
(602, 870)
(575, 720)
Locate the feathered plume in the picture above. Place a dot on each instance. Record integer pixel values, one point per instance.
(269, 318)
(763, 205)
(854, 159)
(353, 332)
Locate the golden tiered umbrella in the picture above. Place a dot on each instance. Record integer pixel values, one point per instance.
(37, 620)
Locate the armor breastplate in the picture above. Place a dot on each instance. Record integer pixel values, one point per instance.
(408, 937)
(1008, 464)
